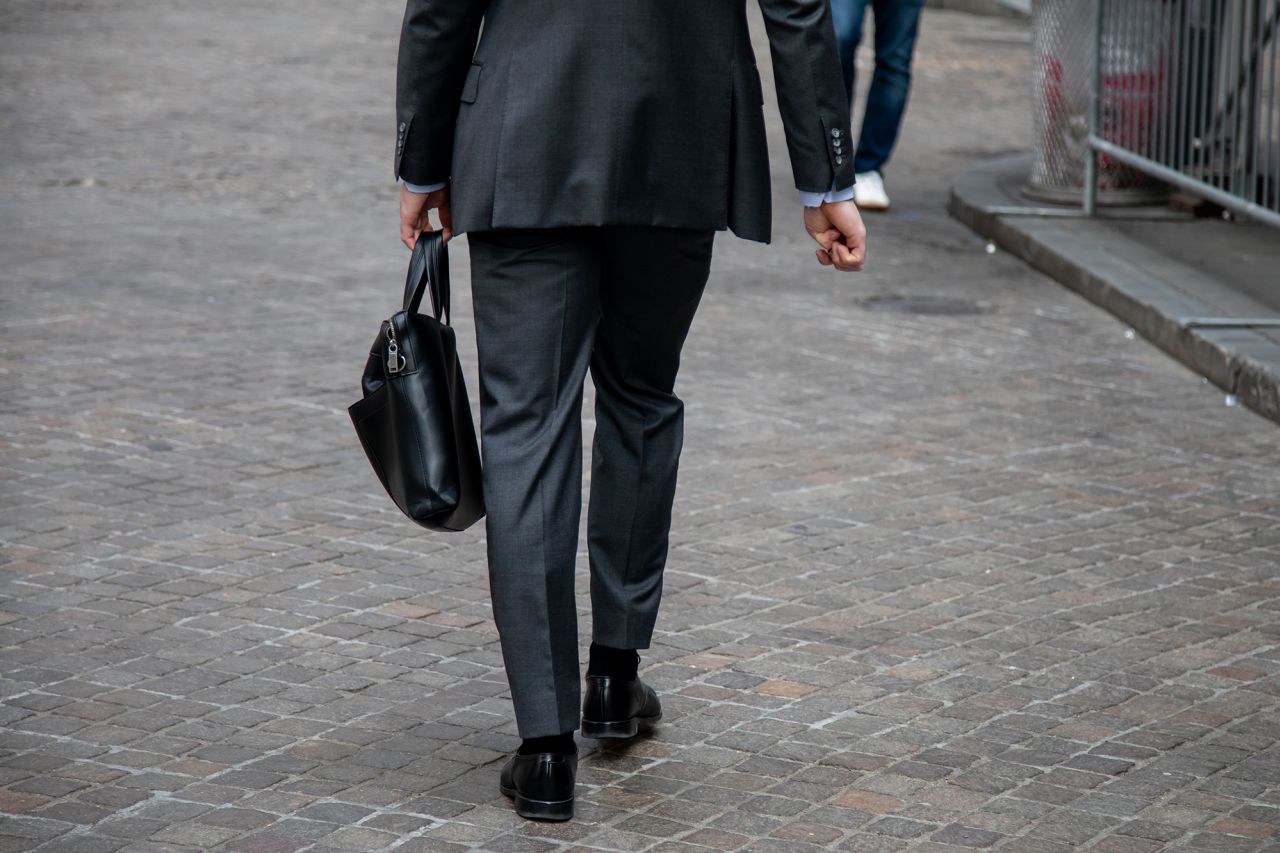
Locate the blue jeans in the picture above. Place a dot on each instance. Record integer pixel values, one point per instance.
(897, 22)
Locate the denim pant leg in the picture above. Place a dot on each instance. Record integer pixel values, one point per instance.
(896, 25)
(847, 16)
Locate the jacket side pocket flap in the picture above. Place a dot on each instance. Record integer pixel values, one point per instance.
(472, 85)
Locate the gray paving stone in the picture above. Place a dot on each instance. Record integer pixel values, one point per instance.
(966, 836)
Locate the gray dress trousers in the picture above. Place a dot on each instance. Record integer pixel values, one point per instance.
(551, 305)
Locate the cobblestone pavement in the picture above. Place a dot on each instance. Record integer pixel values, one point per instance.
(957, 565)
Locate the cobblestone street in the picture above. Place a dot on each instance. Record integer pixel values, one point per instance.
(957, 563)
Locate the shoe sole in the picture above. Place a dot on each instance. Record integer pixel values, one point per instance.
(617, 729)
(540, 809)
(875, 205)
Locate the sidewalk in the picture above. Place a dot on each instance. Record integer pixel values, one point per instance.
(1162, 273)
(957, 565)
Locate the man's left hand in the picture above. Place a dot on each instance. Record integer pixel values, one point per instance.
(838, 229)
(414, 214)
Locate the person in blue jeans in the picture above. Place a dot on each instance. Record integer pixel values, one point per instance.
(896, 25)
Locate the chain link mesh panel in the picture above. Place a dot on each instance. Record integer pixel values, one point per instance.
(1061, 47)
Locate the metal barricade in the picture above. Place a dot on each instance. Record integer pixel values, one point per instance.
(1061, 41)
(1205, 114)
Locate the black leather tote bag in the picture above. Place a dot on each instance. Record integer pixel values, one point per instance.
(414, 420)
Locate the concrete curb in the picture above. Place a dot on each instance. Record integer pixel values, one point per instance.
(1147, 290)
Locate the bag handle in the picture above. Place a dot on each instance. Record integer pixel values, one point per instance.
(429, 267)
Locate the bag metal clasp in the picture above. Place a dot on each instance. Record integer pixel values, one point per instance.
(395, 361)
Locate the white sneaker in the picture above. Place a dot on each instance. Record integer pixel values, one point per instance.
(868, 191)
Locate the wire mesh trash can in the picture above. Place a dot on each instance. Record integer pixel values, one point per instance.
(1061, 57)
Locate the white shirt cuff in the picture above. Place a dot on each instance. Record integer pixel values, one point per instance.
(425, 188)
(811, 199)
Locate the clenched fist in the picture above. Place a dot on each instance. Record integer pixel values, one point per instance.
(838, 229)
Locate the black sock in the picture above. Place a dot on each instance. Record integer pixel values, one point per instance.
(563, 744)
(616, 663)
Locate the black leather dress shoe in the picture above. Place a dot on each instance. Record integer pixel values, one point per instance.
(541, 784)
(617, 708)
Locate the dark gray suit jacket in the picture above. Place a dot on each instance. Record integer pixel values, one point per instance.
(615, 112)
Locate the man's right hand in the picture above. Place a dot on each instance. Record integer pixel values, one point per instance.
(838, 229)
(414, 210)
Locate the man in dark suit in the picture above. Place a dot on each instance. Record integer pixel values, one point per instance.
(591, 149)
